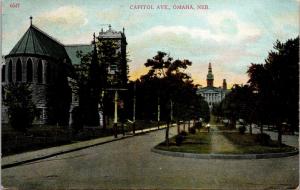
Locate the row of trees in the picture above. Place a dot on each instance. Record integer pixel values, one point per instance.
(272, 94)
(167, 93)
(164, 89)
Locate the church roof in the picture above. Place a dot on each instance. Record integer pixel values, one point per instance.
(35, 41)
(72, 51)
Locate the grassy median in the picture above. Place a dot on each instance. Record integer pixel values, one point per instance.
(193, 143)
(228, 143)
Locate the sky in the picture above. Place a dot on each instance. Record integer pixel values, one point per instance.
(231, 34)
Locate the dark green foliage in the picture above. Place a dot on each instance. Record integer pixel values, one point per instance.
(77, 117)
(183, 133)
(263, 139)
(90, 81)
(242, 129)
(179, 139)
(204, 112)
(277, 86)
(58, 97)
(238, 104)
(107, 55)
(20, 106)
(198, 125)
(192, 130)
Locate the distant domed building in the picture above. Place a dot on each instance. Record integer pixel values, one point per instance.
(46, 64)
(210, 93)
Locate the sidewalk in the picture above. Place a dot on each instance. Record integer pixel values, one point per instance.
(18, 159)
(219, 142)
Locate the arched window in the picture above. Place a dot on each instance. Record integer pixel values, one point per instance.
(9, 71)
(48, 73)
(19, 71)
(40, 72)
(29, 70)
(3, 73)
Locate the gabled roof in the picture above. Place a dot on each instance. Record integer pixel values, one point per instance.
(35, 41)
(72, 51)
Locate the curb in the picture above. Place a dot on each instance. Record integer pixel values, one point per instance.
(40, 157)
(225, 156)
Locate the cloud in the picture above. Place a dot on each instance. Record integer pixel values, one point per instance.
(224, 42)
(118, 17)
(66, 17)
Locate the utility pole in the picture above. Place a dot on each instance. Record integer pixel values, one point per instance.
(158, 112)
(134, 104)
(171, 112)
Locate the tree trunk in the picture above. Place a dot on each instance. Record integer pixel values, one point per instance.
(104, 120)
(261, 128)
(189, 125)
(250, 129)
(167, 133)
(133, 128)
(115, 127)
(183, 125)
(178, 127)
(123, 130)
(279, 135)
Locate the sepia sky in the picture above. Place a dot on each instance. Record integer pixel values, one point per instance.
(230, 34)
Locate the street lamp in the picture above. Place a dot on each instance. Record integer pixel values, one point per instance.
(115, 125)
(158, 112)
(134, 104)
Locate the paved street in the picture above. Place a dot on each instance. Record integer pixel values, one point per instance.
(129, 164)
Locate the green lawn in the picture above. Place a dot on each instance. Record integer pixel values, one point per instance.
(45, 136)
(201, 143)
(248, 144)
(197, 143)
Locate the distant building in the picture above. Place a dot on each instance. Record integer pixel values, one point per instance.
(46, 64)
(210, 93)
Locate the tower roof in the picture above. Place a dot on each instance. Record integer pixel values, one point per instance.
(35, 41)
(210, 75)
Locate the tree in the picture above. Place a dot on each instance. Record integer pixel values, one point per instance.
(165, 80)
(92, 79)
(21, 109)
(277, 85)
(108, 56)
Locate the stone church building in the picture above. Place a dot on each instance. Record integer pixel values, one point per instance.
(46, 65)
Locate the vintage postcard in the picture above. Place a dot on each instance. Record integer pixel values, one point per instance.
(161, 94)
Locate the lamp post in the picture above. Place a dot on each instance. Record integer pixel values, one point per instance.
(115, 125)
(134, 104)
(158, 112)
(116, 114)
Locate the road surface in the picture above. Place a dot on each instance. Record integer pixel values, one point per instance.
(130, 164)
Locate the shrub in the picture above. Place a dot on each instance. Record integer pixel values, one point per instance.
(242, 129)
(263, 139)
(77, 124)
(179, 139)
(183, 133)
(198, 125)
(192, 130)
(21, 109)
